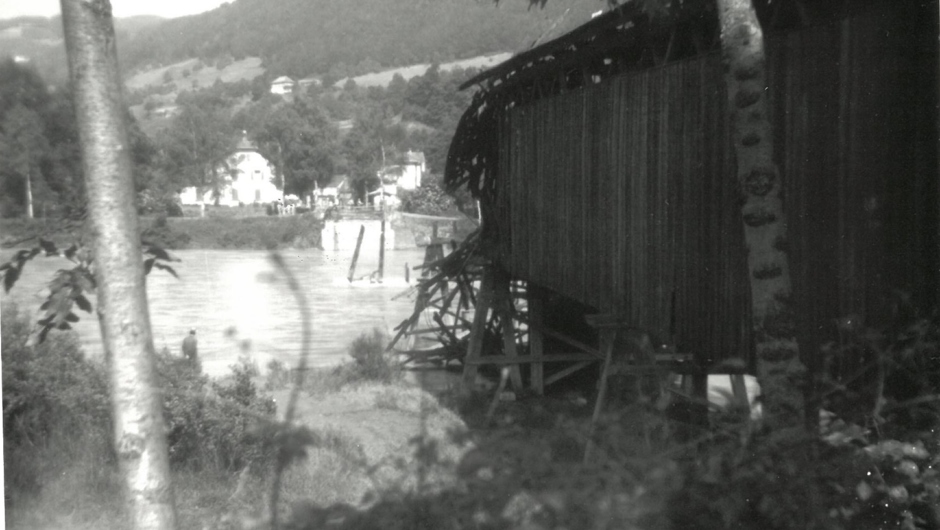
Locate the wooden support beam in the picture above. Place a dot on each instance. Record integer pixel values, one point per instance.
(536, 342)
(475, 347)
(528, 359)
(608, 337)
(558, 336)
(428, 331)
(554, 378)
(504, 307)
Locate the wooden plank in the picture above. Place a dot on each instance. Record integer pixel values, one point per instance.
(558, 336)
(607, 339)
(536, 341)
(477, 330)
(554, 378)
(504, 308)
(528, 359)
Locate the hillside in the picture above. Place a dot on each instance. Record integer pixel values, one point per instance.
(384, 77)
(340, 39)
(40, 39)
(326, 38)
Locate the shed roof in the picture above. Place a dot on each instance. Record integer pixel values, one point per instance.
(282, 80)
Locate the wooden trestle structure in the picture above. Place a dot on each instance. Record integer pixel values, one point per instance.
(469, 311)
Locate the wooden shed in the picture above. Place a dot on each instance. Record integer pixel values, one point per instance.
(605, 170)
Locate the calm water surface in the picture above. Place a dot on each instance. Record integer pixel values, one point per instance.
(219, 290)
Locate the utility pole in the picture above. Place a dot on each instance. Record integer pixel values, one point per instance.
(29, 192)
(382, 233)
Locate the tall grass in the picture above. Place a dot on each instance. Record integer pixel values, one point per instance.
(60, 466)
(57, 424)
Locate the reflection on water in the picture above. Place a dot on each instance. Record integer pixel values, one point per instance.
(222, 289)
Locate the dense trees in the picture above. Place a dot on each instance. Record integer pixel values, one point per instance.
(302, 143)
(39, 145)
(36, 143)
(194, 147)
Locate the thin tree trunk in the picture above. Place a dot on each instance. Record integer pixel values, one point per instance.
(29, 193)
(779, 369)
(122, 300)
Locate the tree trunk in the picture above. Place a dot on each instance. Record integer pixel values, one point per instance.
(139, 428)
(29, 193)
(779, 369)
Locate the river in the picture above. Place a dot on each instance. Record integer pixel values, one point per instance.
(222, 290)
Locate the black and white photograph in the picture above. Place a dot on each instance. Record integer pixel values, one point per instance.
(470, 264)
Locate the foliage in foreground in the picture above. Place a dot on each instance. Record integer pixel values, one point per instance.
(55, 409)
(215, 425)
(872, 467)
(58, 431)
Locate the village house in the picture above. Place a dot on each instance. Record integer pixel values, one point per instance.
(407, 175)
(282, 85)
(248, 179)
(307, 82)
(336, 192)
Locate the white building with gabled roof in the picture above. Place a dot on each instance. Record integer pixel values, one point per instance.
(249, 179)
(282, 85)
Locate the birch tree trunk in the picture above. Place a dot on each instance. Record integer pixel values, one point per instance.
(139, 435)
(29, 193)
(779, 369)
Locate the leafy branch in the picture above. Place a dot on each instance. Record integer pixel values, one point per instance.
(69, 287)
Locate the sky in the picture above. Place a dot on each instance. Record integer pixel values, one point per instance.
(121, 8)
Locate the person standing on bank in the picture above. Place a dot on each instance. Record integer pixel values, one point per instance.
(190, 347)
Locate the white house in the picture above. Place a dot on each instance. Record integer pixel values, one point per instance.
(336, 192)
(248, 179)
(407, 175)
(282, 85)
(414, 166)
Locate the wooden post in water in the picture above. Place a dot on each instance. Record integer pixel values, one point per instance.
(352, 266)
(382, 242)
(478, 328)
(502, 285)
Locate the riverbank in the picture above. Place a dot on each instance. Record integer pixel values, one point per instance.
(176, 233)
(237, 229)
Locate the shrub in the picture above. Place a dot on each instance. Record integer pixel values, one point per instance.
(373, 363)
(224, 432)
(161, 234)
(877, 465)
(55, 407)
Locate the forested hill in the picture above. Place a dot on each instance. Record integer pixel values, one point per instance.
(40, 39)
(343, 37)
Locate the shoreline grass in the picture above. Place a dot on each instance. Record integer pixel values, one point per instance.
(212, 232)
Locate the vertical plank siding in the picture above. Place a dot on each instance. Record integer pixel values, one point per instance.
(622, 195)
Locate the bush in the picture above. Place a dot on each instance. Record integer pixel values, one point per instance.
(224, 432)
(56, 410)
(372, 362)
(429, 199)
(876, 465)
(160, 233)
